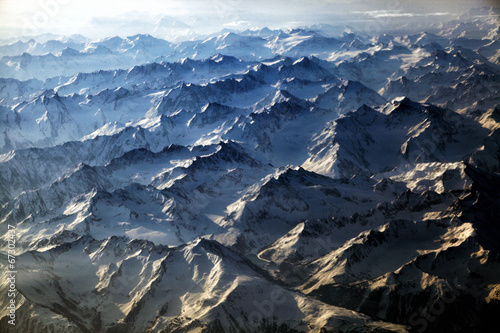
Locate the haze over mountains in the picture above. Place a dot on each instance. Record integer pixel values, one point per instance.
(266, 180)
(180, 20)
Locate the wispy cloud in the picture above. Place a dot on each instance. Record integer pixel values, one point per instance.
(396, 14)
(64, 16)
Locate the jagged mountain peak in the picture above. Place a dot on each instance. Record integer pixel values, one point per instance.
(220, 58)
(97, 49)
(69, 52)
(403, 106)
(200, 264)
(293, 174)
(205, 246)
(227, 151)
(174, 186)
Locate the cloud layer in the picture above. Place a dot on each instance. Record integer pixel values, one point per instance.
(64, 16)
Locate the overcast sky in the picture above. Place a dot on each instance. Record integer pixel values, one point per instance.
(66, 16)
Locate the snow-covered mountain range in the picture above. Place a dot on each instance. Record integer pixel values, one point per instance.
(255, 181)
